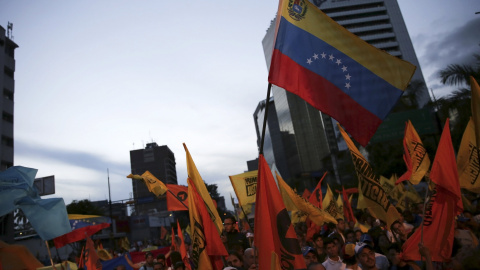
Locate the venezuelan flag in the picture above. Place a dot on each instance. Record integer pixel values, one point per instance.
(335, 71)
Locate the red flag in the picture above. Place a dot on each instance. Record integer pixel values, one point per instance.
(174, 243)
(177, 198)
(163, 232)
(81, 260)
(78, 234)
(214, 245)
(316, 198)
(183, 249)
(273, 228)
(347, 207)
(91, 258)
(445, 203)
(306, 194)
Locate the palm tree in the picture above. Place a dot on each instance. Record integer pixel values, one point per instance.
(457, 74)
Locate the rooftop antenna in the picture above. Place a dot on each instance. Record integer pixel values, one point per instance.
(9, 30)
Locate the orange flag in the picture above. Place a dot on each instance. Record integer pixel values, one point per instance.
(415, 156)
(273, 228)
(163, 232)
(306, 194)
(445, 203)
(177, 198)
(92, 262)
(347, 208)
(183, 249)
(81, 260)
(212, 242)
(316, 198)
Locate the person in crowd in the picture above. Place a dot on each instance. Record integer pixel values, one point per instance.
(162, 259)
(399, 232)
(159, 266)
(309, 255)
(349, 256)
(467, 240)
(315, 266)
(365, 256)
(319, 248)
(232, 236)
(248, 258)
(337, 239)
(339, 228)
(235, 259)
(381, 260)
(358, 234)
(333, 261)
(394, 257)
(148, 262)
(350, 236)
(179, 266)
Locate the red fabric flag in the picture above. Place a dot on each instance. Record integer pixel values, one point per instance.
(163, 232)
(174, 243)
(445, 203)
(273, 228)
(78, 234)
(92, 262)
(306, 194)
(316, 198)
(177, 198)
(214, 245)
(183, 249)
(81, 260)
(347, 207)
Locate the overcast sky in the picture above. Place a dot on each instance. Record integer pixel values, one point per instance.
(96, 79)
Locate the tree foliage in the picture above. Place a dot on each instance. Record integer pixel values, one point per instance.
(83, 207)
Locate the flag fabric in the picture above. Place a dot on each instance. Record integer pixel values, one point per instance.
(17, 256)
(78, 234)
(177, 197)
(183, 249)
(317, 198)
(163, 232)
(340, 205)
(330, 206)
(306, 194)
(300, 204)
(273, 229)
(347, 207)
(113, 263)
(445, 203)
(81, 260)
(245, 187)
(202, 225)
(92, 262)
(196, 179)
(370, 190)
(468, 164)
(475, 107)
(334, 70)
(415, 156)
(154, 185)
(47, 216)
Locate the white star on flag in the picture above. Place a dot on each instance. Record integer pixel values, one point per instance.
(315, 56)
(331, 57)
(347, 85)
(339, 61)
(344, 68)
(309, 61)
(348, 76)
(323, 55)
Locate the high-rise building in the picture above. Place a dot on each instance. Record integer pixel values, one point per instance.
(7, 84)
(310, 137)
(160, 161)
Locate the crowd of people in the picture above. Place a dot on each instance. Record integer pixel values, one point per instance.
(366, 243)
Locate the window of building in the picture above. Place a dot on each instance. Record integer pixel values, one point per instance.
(8, 72)
(7, 117)
(7, 141)
(7, 94)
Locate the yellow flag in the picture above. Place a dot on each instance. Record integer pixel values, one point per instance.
(415, 156)
(340, 205)
(274, 262)
(369, 186)
(467, 160)
(199, 253)
(476, 108)
(294, 202)
(330, 206)
(245, 186)
(154, 185)
(194, 175)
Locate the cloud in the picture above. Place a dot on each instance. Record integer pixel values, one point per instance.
(438, 50)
